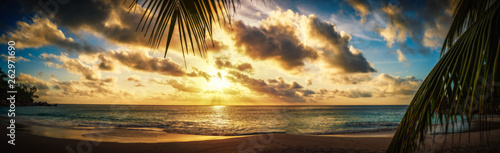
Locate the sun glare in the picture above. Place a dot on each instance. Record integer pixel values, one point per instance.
(218, 81)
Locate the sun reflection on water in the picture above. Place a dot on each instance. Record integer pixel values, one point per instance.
(220, 117)
(219, 107)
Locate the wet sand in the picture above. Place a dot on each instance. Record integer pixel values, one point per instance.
(151, 140)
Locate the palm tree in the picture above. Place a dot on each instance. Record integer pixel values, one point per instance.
(462, 83)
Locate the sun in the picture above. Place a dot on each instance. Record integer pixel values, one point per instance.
(218, 81)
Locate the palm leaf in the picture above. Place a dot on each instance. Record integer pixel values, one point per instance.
(462, 84)
(193, 18)
(465, 14)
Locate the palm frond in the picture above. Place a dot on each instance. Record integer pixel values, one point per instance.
(461, 85)
(193, 18)
(466, 12)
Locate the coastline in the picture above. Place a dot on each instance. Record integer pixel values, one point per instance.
(260, 143)
(68, 140)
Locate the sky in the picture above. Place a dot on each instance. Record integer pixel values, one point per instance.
(339, 52)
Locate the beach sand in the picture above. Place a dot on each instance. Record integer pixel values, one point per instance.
(165, 142)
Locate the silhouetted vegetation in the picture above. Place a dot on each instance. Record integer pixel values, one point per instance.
(24, 97)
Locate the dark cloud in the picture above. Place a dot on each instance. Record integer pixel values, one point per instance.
(295, 85)
(223, 62)
(427, 26)
(43, 32)
(275, 88)
(276, 42)
(76, 66)
(335, 46)
(217, 46)
(110, 19)
(142, 62)
(245, 67)
(106, 63)
(110, 79)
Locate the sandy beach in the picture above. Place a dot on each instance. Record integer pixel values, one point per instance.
(158, 141)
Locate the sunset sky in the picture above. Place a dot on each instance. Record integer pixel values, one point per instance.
(352, 52)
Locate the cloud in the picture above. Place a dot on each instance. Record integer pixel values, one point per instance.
(350, 78)
(275, 88)
(401, 56)
(110, 20)
(223, 62)
(55, 90)
(41, 74)
(142, 62)
(106, 63)
(382, 85)
(438, 15)
(43, 32)
(183, 87)
(387, 85)
(352, 93)
(397, 28)
(309, 82)
(426, 27)
(134, 78)
(277, 39)
(17, 58)
(73, 66)
(31, 81)
(279, 43)
(110, 79)
(179, 86)
(362, 8)
(76, 66)
(336, 51)
(52, 64)
(86, 88)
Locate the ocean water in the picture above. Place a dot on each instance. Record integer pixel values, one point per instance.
(217, 120)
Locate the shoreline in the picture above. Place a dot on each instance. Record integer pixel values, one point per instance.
(376, 142)
(158, 135)
(154, 140)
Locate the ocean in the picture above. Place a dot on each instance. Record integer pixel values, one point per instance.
(217, 120)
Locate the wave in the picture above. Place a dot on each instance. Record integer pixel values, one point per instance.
(354, 131)
(372, 124)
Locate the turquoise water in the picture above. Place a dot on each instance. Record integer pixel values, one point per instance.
(217, 120)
